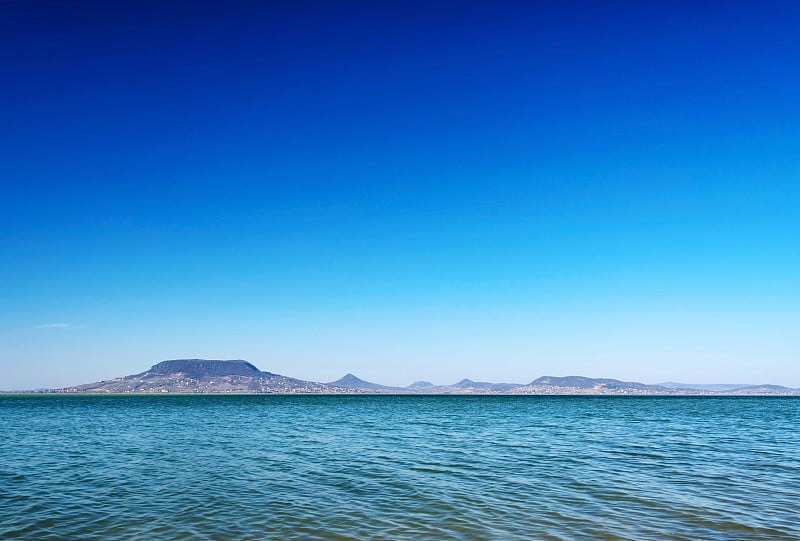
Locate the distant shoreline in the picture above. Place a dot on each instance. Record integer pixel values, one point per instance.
(794, 394)
(237, 376)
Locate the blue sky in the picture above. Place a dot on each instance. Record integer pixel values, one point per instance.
(491, 190)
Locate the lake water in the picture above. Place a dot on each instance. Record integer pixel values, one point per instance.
(399, 467)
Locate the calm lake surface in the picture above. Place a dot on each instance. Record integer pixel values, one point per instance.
(399, 467)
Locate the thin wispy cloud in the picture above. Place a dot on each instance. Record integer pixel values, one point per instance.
(53, 326)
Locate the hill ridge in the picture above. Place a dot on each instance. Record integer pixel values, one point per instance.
(240, 376)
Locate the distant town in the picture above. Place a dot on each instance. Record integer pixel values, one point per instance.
(190, 376)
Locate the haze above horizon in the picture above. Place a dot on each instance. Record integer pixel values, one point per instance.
(403, 191)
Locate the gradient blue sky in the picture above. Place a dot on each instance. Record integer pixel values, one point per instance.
(405, 191)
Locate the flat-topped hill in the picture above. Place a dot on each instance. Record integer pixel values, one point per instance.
(203, 376)
(204, 368)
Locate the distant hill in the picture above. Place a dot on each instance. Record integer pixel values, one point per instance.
(203, 368)
(203, 376)
(705, 386)
(468, 384)
(349, 381)
(766, 388)
(584, 385)
(420, 385)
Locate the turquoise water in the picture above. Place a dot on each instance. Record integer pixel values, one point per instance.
(394, 468)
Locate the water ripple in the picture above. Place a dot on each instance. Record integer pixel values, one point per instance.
(395, 468)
